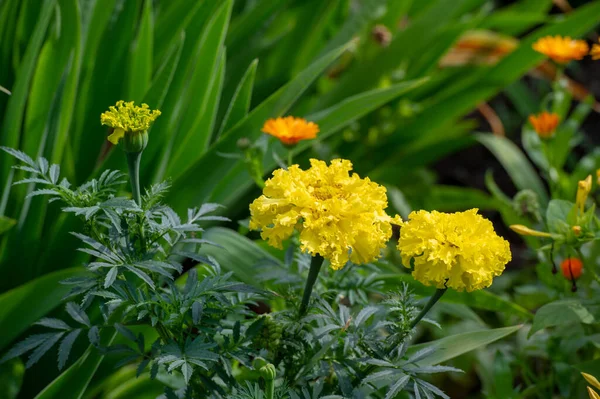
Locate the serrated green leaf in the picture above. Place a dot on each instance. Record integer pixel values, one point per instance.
(64, 350)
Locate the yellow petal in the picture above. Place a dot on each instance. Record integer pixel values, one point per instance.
(591, 380)
(592, 393)
(116, 135)
(526, 231)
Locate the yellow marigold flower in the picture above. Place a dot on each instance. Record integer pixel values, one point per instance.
(595, 52)
(291, 130)
(125, 117)
(456, 250)
(561, 49)
(544, 123)
(526, 231)
(339, 215)
(584, 187)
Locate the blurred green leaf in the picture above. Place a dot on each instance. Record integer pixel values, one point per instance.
(6, 224)
(560, 313)
(13, 118)
(24, 305)
(139, 74)
(202, 96)
(241, 256)
(455, 345)
(240, 103)
(515, 163)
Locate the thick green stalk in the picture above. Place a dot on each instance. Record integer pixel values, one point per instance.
(436, 297)
(315, 267)
(133, 164)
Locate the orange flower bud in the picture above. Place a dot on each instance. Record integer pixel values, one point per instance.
(571, 268)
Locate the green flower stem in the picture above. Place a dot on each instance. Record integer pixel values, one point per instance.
(290, 157)
(436, 297)
(315, 267)
(133, 164)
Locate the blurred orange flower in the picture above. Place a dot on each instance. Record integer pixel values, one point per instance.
(595, 53)
(561, 49)
(544, 123)
(290, 130)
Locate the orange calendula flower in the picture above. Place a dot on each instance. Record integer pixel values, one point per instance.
(290, 130)
(544, 123)
(595, 52)
(561, 49)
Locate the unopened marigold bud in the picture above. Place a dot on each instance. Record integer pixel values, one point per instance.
(382, 35)
(571, 268)
(584, 187)
(243, 143)
(526, 204)
(268, 372)
(591, 380)
(576, 230)
(526, 231)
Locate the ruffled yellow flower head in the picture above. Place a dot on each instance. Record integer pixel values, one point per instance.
(561, 49)
(339, 215)
(291, 130)
(455, 250)
(544, 123)
(125, 117)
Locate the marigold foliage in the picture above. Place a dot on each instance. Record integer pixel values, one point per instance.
(291, 130)
(544, 123)
(125, 117)
(455, 250)
(339, 215)
(561, 49)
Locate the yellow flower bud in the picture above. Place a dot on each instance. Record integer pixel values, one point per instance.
(526, 231)
(592, 393)
(583, 190)
(593, 381)
(576, 230)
